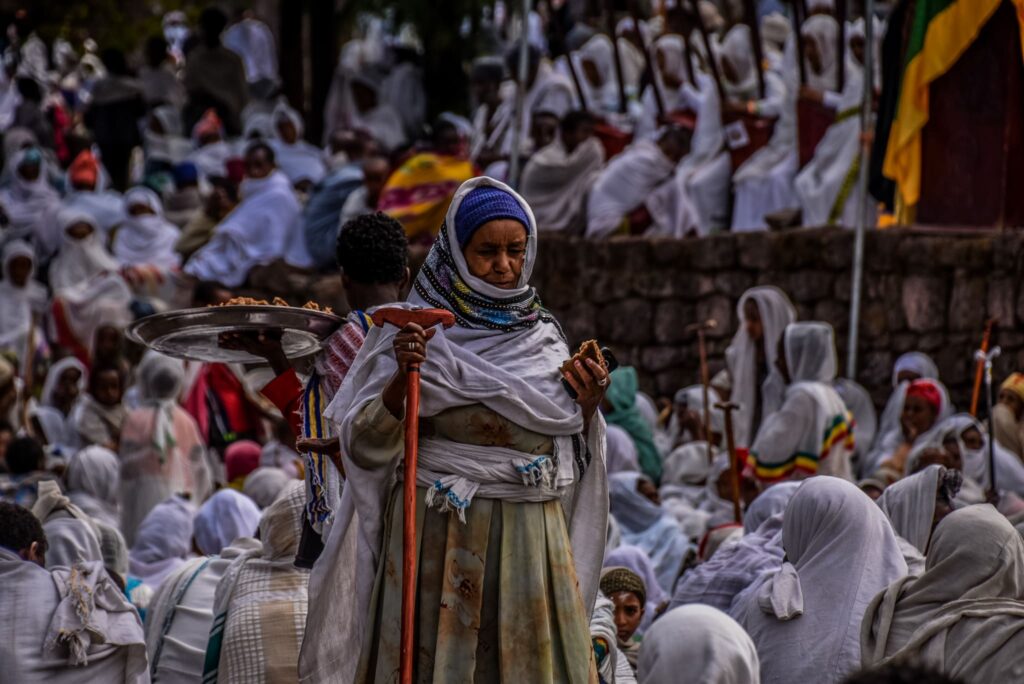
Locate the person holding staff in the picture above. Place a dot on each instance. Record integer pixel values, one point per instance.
(512, 496)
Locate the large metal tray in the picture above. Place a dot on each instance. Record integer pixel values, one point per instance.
(193, 334)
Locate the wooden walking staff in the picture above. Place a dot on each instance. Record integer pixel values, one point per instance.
(727, 408)
(426, 319)
(979, 371)
(705, 376)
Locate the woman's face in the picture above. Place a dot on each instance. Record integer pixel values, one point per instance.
(79, 230)
(729, 71)
(813, 54)
(647, 490)
(107, 388)
(140, 209)
(66, 391)
(18, 270)
(30, 171)
(752, 320)
(972, 439)
(628, 614)
(497, 252)
(286, 129)
(918, 413)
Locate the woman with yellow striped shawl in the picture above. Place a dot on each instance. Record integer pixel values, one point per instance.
(812, 434)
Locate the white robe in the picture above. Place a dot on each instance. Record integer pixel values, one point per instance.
(625, 184)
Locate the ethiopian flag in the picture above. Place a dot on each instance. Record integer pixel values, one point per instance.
(940, 31)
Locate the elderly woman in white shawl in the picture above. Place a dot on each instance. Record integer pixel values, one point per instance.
(62, 391)
(812, 434)
(508, 449)
(764, 184)
(965, 436)
(965, 614)
(594, 67)
(925, 405)
(698, 644)
(756, 384)
(22, 300)
(82, 253)
(145, 237)
(908, 367)
(261, 602)
(805, 617)
(301, 162)
(257, 231)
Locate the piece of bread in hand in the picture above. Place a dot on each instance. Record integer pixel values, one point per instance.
(588, 350)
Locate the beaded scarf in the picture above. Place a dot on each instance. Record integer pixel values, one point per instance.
(440, 285)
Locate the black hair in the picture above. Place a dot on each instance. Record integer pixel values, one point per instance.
(29, 89)
(100, 369)
(902, 673)
(5, 426)
(156, 51)
(373, 250)
(260, 145)
(19, 528)
(226, 185)
(115, 61)
(572, 121)
(205, 291)
(24, 455)
(212, 22)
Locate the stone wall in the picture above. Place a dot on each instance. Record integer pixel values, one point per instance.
(923, 290)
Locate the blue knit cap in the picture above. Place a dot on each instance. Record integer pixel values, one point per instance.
(486, 203)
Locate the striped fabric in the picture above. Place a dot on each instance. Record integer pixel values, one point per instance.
(838, 431)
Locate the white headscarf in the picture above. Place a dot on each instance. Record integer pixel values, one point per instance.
(598, 50)
(1009, 470)
(622, 454)
(841, 551)
(768, 503)
(696, 643)
(824, 31)
(737, 47)
(147, 239)
(959, 614)
(223, 518)
(53, 377)
(25, 201)
(17, 304)
(910, 505)
(810, 352)
(263, 485)
(859, 402)
(79, 260)
(299, 160)
(776, 313)
(888, 442)
(93, 479)
(162, 541)
(648, 526)
(917, 363)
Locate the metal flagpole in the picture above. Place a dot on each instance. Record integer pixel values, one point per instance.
(523, 69)
(865, 199)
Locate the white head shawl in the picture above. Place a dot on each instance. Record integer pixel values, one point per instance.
(888, 442)
(810, 352)
(824, 31)
(862, 407)
(910, 505)
(974, 569)
(70, 541)
(79, 260)
(24, 200)
(53, 377)
(264, 485)
(776, 313)
(702, 642)
(223, 518)
(768, 503)
(622, 454)
(841, 551)
(737, 47)
(162, 541)
(147, 239)
(299, 160)
(917, 363)
(673, 51)
(93, 479)
(160, 379)
(687, 465)
(1009, 470)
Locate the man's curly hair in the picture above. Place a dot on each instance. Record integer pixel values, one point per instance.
(373, 250)
(19, 528)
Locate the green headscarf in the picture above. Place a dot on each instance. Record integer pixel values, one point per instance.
(621, 395)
